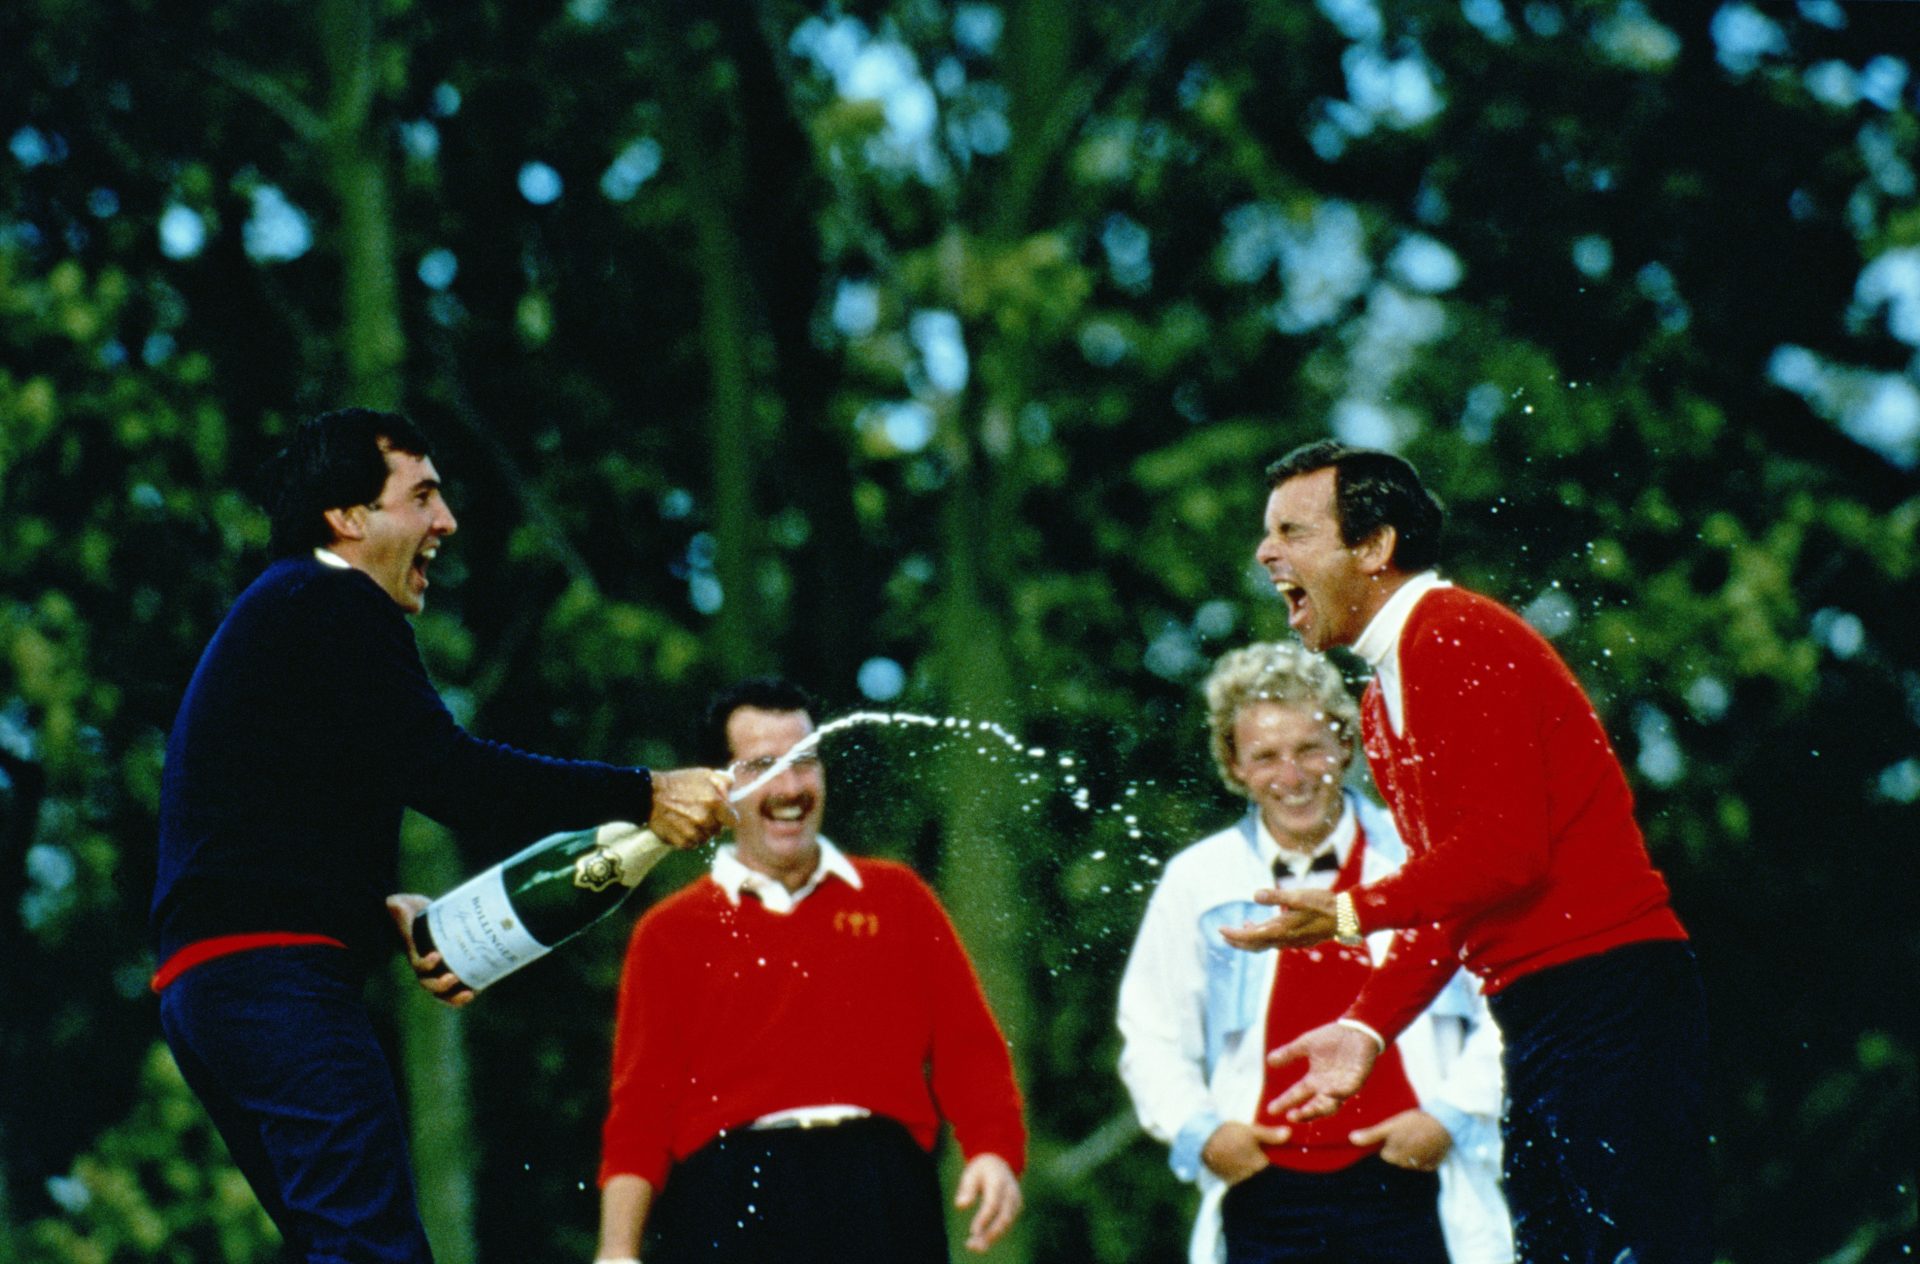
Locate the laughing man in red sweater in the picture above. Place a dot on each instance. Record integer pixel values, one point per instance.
(793, 1029)
(1524, 861)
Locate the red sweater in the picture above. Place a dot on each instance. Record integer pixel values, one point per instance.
(1519, 826)
(1312, 986)
(863, 997)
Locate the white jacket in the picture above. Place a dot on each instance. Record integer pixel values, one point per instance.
(1193, 1016)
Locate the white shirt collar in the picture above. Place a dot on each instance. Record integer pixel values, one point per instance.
(1339, 842)
(1379, 644)
(733, 877)
(327, 557)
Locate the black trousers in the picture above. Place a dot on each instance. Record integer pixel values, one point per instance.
(1605, 1136)
(1369, 1213)
(860, 1191)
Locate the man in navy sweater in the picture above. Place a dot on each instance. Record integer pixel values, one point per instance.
(308, 727)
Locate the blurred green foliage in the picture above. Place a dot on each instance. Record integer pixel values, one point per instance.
(956, 336)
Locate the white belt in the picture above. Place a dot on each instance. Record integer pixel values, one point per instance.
(810, 1117)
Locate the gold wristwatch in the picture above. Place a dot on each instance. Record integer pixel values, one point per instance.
(1346, 923)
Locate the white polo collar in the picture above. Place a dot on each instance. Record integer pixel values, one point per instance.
(733, 877)
(1339, 842)
(327, 557)
(1379, 644)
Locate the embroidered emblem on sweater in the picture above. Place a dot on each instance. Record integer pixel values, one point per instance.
(859, 925)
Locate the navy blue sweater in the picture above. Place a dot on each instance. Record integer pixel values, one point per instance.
(309, 725)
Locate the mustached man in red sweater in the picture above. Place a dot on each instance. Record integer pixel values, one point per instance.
(1524, 861)
(793, 1029)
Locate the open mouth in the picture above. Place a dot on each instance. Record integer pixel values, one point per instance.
(1296, 598)
(421, 561)
(789, 810)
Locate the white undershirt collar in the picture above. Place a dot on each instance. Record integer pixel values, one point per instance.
(1379, 644)
(733, 877)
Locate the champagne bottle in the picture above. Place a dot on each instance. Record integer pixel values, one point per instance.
(527, 905)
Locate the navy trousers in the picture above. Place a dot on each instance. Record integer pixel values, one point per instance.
(279, 1046)
(861, 1192)
(1371, 1212)
(1605, 1138)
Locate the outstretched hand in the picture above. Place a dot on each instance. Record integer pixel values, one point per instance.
(1339, 1059)
(690, 806)
(431, 970)
(1306, 918)
(989, 1181)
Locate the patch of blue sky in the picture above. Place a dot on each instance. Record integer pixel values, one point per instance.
(1103, 343)
(856, 307)
(630, 169)
(1657, 285)
(1709, 698)
(1632, 37)
(276, 231)
(1355, 19)
(183, 233)
(1832, 83)
(1400, 92)
(1827, 13)
(942, 345)
(1879, 411)
(907, 425)
(1395, 327)
(1366, 423)
(1128, 249)
(1324, 266)
(1841, 631)
(420, 138)
(1544, 19)
(1883, 79)
(881, 679)
(1887, 419)
(1250, 240)
(866, 67)
(978, 27)
(1483, 406)
(1899, 782)
(1593, 255)
(1891, 283)
(1743, 38)
(1880, 150)
(1552, 613)
(32, 147)
(437, 268)
(1489, 17)
(1660, 760)
(539, 183)
(1425, 265)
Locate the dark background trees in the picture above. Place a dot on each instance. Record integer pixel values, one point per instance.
(930, 352)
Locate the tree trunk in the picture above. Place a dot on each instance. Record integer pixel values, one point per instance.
(433, 1053)
(982, 862)
(709, 149)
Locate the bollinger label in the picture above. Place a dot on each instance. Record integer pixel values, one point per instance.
(478, 933)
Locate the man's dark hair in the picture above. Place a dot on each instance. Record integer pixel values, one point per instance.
(763, 693)
(334, 460)
(1372, 489)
